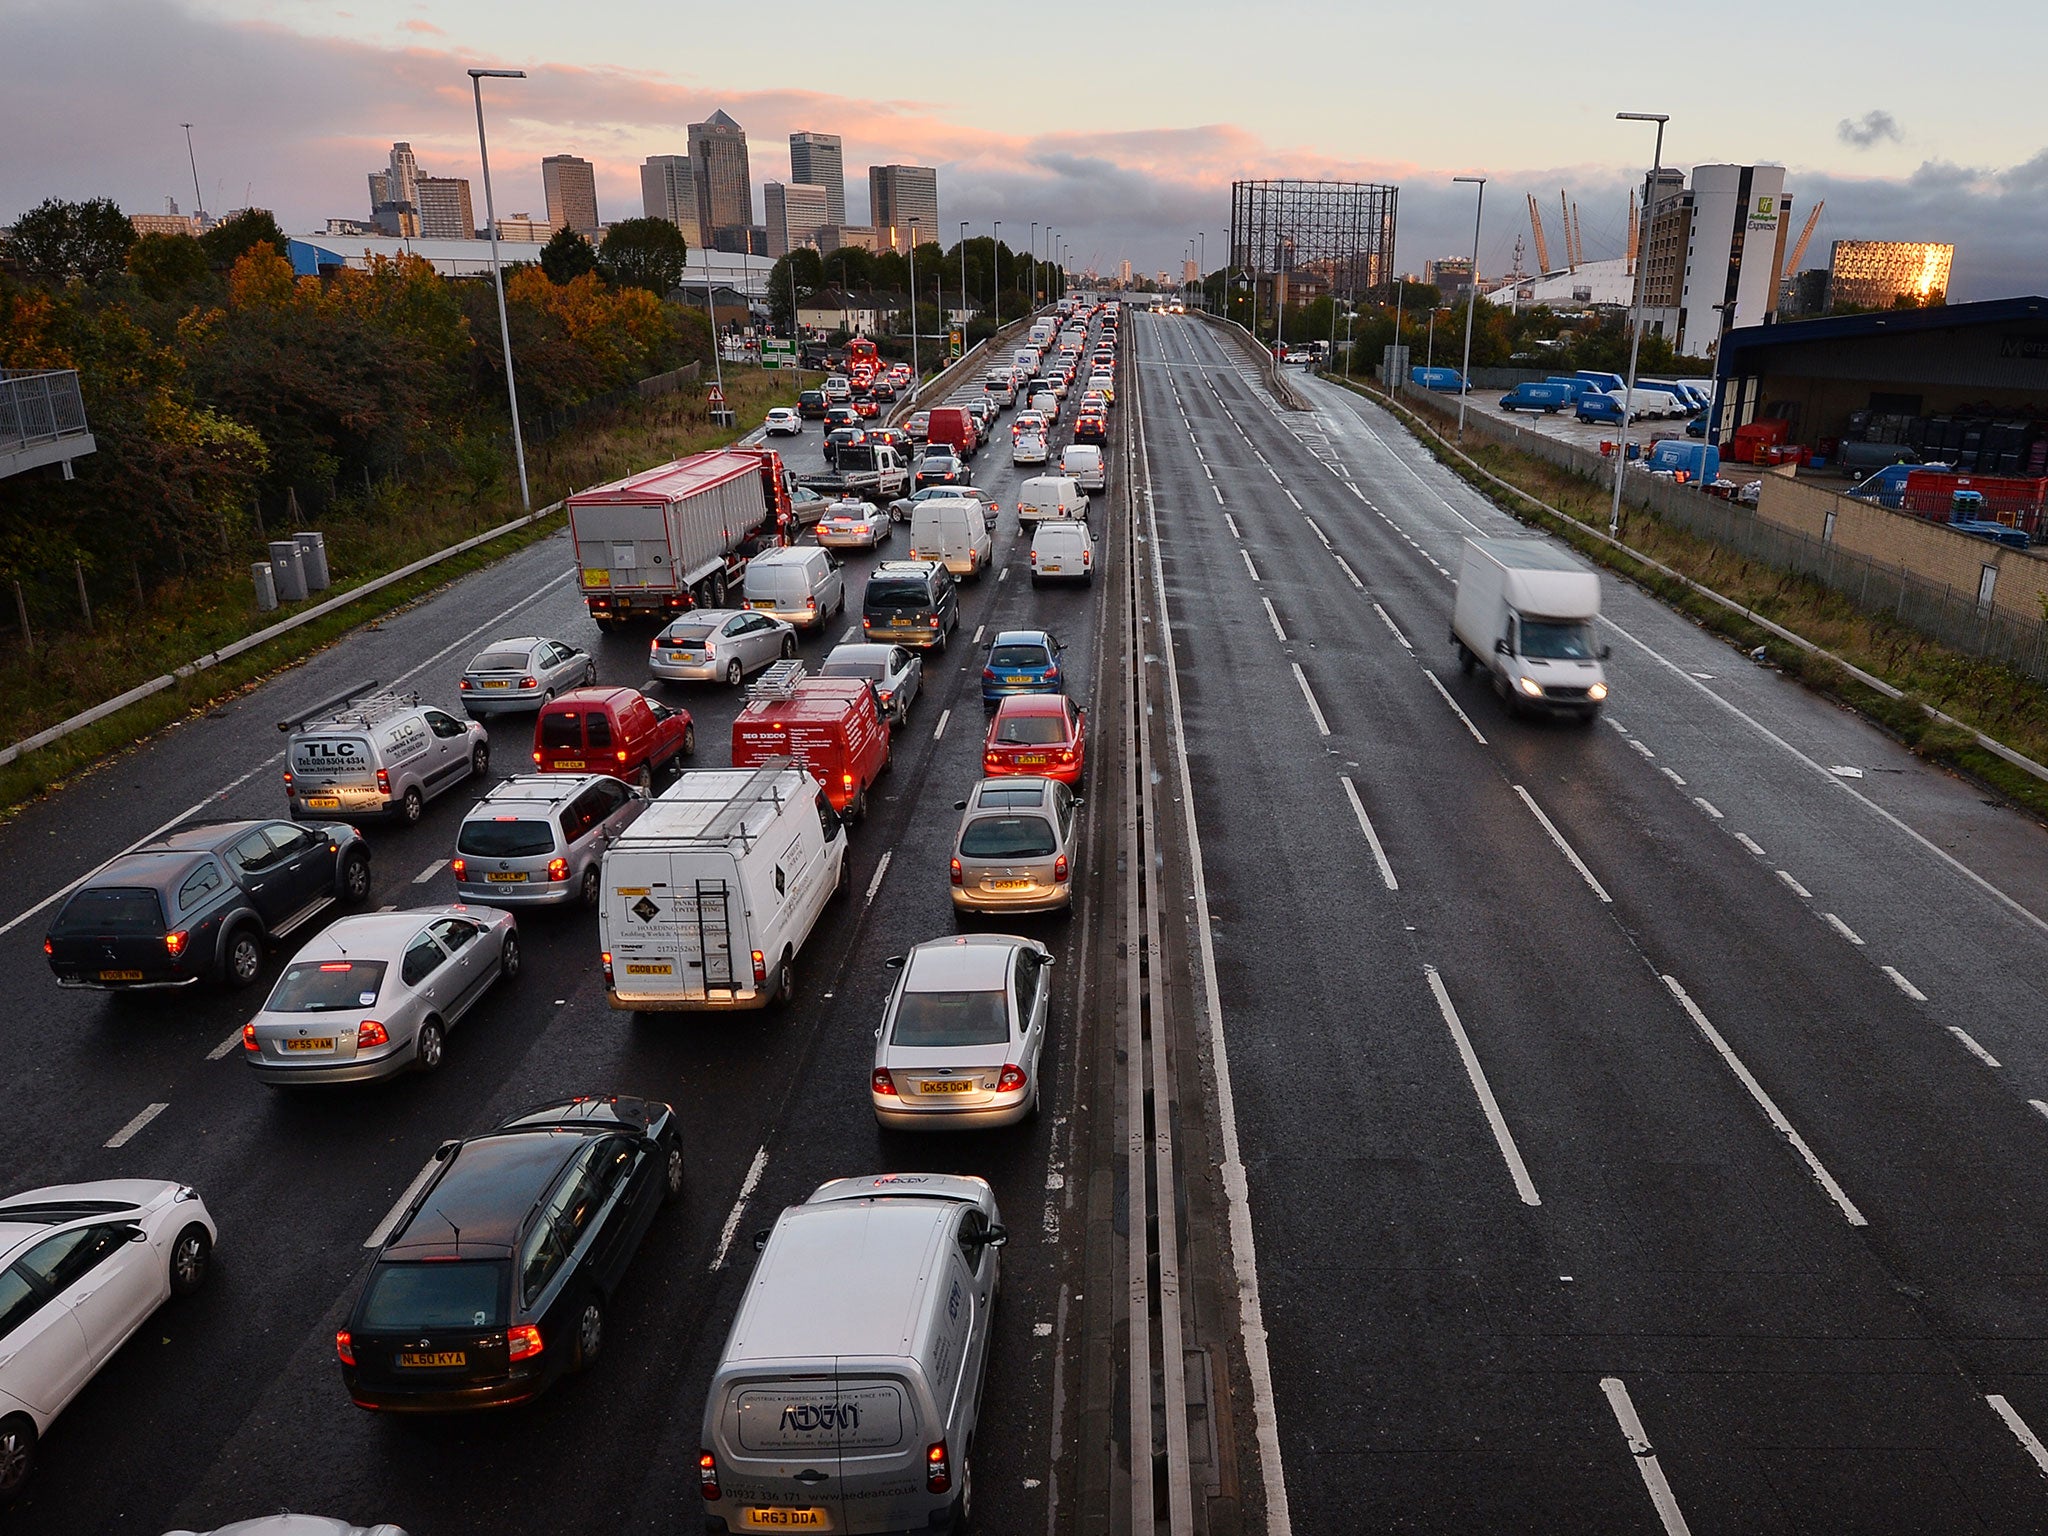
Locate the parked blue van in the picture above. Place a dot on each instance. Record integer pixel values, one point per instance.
(1547, 398)
(1700, 461)
(1446, 380)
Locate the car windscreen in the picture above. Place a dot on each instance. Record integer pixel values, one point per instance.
(464, 1293)
(561, 730)
(500, 661)
(873, 671)
(1551, 640)
(1017, 656)
(1031, 730)
(506, 838)
(1008, 837)
(111, 909)
(896, 595)
(951, 1018)
(326, 986)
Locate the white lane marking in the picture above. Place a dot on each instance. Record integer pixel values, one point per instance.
(1346, 564)
(1617, 725)
(940, 729)
(1797, 889)
(127, 1133)
(1276, 475)
(1842, 928)
(739, 1206)
(1003, 574)
(429, 872)
(1208, 471)
(1638, 744)
(1318, 531)
(1388, 621)
(1661, 1497)
(1671, 774)
(1379, 854)
(1563, 847)
(1274, 618)
(1972, 1046)
(1440, 688)
(2043, 1108)
(1902, 984)
(852, 632)
(1764, 1102)
(2029, 1441)
(1231, 523)
(1517, 1169)
(2010, 903)
(1322, 725)
(232, 1043)
(1219, 494)
(875, 884)
(419, 1182)
(1750, 843)
(1290, 496)
(1247, 554)
(977, 632)
(389, 907)
(1707, 806)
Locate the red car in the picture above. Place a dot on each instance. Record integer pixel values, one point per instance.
(619, 731)
(865, 407)
(1043, 734)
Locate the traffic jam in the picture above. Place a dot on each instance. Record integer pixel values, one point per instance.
(682, 822)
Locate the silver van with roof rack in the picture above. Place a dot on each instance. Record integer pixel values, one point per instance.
(376, 752)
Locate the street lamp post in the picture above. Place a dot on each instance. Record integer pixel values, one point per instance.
(963, 289)
(1472, 305)
(1635, 340)
(1202, 261)
(476, 80)
(916, 373)
(1429, 346)
(1400, 297)
(1031, 273)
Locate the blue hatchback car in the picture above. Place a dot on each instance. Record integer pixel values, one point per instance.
(1021, 661)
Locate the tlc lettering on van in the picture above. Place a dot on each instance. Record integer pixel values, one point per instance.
(346, 755)
(408, 738)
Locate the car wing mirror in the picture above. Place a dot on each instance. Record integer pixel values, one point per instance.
(895, 962)
(996, 1235)
(1606, 651)
(761, 1239)
(135, 1234)
(1500, 648)
(959, 805)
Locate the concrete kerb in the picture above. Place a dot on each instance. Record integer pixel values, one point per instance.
(1876, 684)
(1284, 392)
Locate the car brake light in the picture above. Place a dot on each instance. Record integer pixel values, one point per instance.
(707, 1475)
(558, 869)
(988, 674)
(249, 1038)
(459, 866)
(527, 682)
(174, 942)
(1066, 754)
(1012, 1079)
(465, 685)
(607, 958)
(383, 782)
(810, 602)
(522, 1341)
(370, 1033)
(536, 756)
(760, 969)
(957, 879)
(287, 781)
(938, 1470)
(883, 1083)
(710, 647)
(344, 1347)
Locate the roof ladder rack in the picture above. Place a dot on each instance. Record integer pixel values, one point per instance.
(778, 681)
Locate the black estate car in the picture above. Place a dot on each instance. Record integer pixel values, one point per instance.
(202, 901)
(810, 404)
(496, 1279)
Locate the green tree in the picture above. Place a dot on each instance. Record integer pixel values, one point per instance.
(801, 268)
(851, 269)
(568, 256)
(168, 266)
(57, 241)
(232, 239)
(644, 253)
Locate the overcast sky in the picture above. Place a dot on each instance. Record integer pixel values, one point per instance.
(1123, 129)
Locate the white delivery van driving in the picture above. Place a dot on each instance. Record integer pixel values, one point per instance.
(1082, 463)
(1050, 496)
(849, 1389)
(1526, 611)
(951, 530)
(800, 584)
(711, 893)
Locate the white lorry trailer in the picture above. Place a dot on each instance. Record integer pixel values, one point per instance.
(1525, 612)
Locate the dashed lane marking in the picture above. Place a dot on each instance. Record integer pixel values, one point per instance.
(1437, 684)
(875, 884)
(1388, 621)
(1301, 677)
(1379, 854)
(1647, 1466)
(1274, 619)
(1842, 928)
(940, 729)
(1247, 554)
(429, 872)
(1972, 1046)
(1571, 854)
(1902, 984)
(739, 1206)
(1488, 1104)
(128, 1132)
(1797, 889)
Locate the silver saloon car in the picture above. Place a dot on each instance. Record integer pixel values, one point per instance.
(710, 645)
(1018, 848)
(962, 1036)
(896, 673)
(376, 995)
(523, 673)
(853, 525)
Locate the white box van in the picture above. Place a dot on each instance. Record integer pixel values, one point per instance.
(950, 530)
(1083, 464)
(803, 586)
(1026, 360)
(370, 753)
(1050, 496)
(711, 893)
(849, 1390)
(1525, 611)
(1062, 549)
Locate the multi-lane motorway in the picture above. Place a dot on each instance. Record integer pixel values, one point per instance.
(1511, 1126)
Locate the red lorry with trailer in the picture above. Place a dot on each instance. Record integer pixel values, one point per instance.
(832, 727)
(678, 536)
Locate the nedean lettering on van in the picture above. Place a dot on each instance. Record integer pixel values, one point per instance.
(812, 1416)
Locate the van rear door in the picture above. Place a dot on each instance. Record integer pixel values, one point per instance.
(674, 925)
(803, 1444)
(881, 1453)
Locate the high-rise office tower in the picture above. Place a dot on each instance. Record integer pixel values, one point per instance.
(445, 212)
(668, 191)
(818, 160)
(395, 193)
(899, 194)
(570, 185)
(795, 214)
(405, 174)
(725, 191)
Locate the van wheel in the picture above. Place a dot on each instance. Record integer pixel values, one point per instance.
(1466, 660)
(429, 1046)
(785, 979)
(858, 810)
(17, 1454)
(963, 1507)
(412, 807)
(734, 672)
(480, 759)
(589, 1333)
(242, 959)
(591, 890)
(845, 885)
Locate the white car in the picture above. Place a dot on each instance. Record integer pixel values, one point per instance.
(783, 421)
(82, 1266)
(853, 525)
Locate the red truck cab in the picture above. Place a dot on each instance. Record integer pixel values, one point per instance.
(619, 731)
(831, 727)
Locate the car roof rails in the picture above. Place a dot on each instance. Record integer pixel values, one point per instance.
(361, 705)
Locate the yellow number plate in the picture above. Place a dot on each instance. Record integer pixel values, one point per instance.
(315, 1043)
(439, 1358)
(517, 877)
(499, 684)
(323, 803)
(120, 975)
(568, 762)
(951, 1085)
(1009, 885)
(777, 1519)
(663, 969)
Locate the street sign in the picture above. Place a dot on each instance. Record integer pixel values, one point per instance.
(778, 352)
(954, 340)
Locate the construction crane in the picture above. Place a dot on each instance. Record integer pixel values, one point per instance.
(1806, 234)
(1536, 229)
(1564, 211)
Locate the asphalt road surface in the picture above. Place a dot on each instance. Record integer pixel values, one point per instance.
(1643, 1122)
(229, 1404)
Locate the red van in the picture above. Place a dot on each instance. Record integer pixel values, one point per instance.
(954, 426)
(619, 731)
(831, 726)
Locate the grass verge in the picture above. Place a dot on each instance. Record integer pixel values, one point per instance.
(1990, 698)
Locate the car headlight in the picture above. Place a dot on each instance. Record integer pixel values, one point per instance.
(1597, 692)
(1530, 686)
